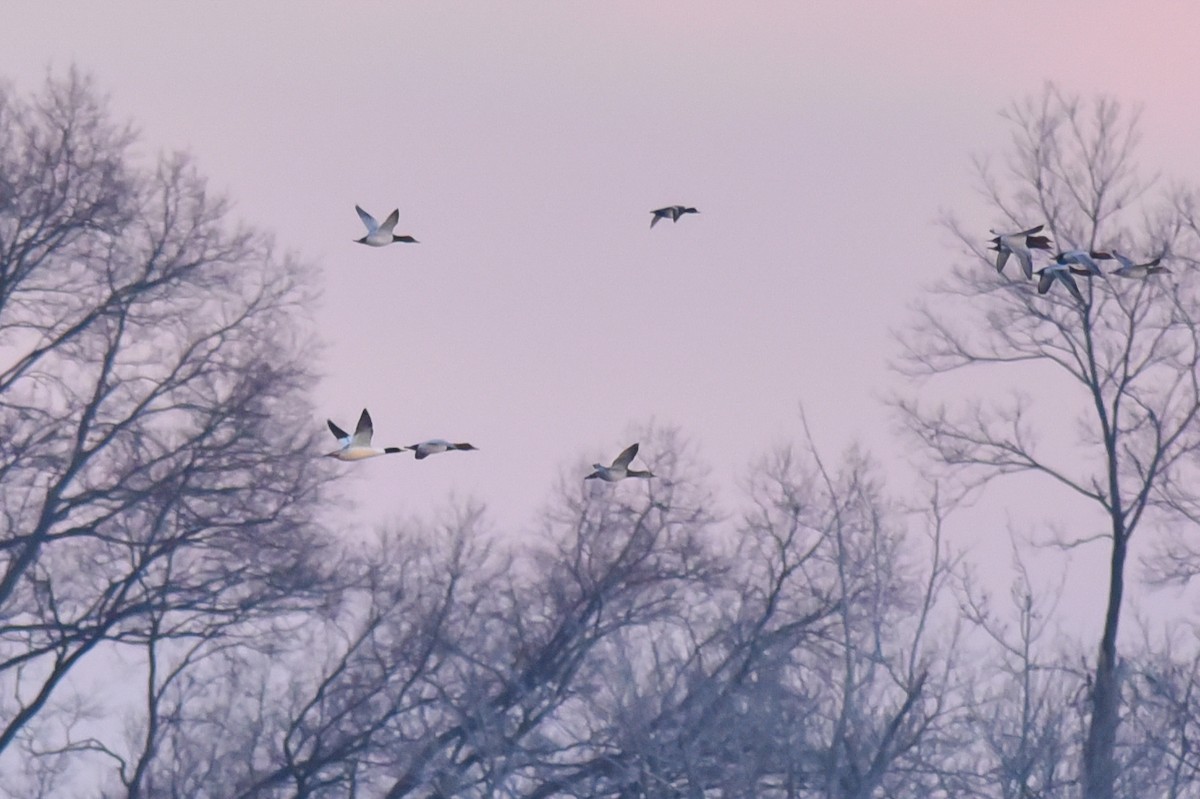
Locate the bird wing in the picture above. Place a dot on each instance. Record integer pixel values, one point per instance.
(367, 220)
(338, 433)
(623, 460)
(364, 431)
(659, 213)
(1001, 258)
(1085, 260)
(1026, 262)
(1066, 278)
(1044, 281)
(1125, 261)
(389, 224)
(1029, 232)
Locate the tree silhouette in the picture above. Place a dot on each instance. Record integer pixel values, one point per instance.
(636, 647)
(1130, 354)
(173, 619)
(156, 483)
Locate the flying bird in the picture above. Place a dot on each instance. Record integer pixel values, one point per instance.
(619, 469)
(672, 212)
(1084, 259)
(1020, 244)
(436, 445)
(1137, 271)
(381, 235)
(1062, 273)
(357, 447)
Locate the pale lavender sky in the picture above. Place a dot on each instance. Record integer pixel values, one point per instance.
(525, 143)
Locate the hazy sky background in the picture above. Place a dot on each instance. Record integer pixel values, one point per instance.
(525, 144)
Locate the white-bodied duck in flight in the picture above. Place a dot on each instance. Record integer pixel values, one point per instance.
(1085, 260)
(435, 445)
(619, 469)
(1137, 271)
(1062, 273)
(672, 212)
(1020, 244)
(357, 447)
(381, 235)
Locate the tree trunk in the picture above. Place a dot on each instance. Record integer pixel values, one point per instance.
(1099, 762)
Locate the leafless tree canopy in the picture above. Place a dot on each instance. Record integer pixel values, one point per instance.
(1120, 372)
(154, 491)
(639, 647)
(175, 621)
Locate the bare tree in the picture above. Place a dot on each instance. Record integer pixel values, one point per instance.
(1122, 368)
(618, 566)
(448, 666)
(1164, 711)
(866, 694)
(638, 648)
(394, 653)
(156, 483)
(1023, 699)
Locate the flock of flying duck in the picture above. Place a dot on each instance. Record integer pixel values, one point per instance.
(358, 446)
(1023, 243)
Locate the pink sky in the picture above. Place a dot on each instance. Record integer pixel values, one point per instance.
(525, 144)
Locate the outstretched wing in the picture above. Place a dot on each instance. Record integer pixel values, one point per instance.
(1085, 260)
(1001, 258)
(338, 433)
(1026, 260)
(367, 220)
(623, 460)
(364, 430)
(1029, 232)
(659, 213)
(1044, 281)
(1065, 277)
(389, 224)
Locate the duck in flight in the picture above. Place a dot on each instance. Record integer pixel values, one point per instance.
(435, 445)
(357, 447)
(672, 212)
(1084, 259)
(1020, 244)
(381, 235)
(1062, 273)
(619, 469)
(1137, 271)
